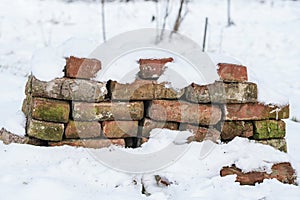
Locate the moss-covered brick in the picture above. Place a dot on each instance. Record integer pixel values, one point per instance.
(108, 111)
(45, 130)
(50, 110)
(279, 144)
(77, 129)
(269, 129)
(120, 129)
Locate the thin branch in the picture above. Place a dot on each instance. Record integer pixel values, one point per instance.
(165, 19)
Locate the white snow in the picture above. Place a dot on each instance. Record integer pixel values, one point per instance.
(35, 36)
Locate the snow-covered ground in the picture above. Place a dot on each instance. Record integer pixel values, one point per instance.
(35, 36)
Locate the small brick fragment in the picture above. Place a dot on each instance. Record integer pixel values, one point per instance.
(108, 111)
(176, 111)
(269, 129)
(78, 129)
(85, 68)
(149, 124)
(152, 68)
(120, 129)
(90, 143)
(45, 130)
(50, 110)
(201, 133)
(232, 129)
(283, 172)
(255, 111)
(232, 72)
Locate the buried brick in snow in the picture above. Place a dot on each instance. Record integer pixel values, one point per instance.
(90, 143)
(120, 129)
(201, 133)
(149, 125)
(78, 129)
(232, 129)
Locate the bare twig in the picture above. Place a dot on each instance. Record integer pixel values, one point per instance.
(178, 19)
(165, 19)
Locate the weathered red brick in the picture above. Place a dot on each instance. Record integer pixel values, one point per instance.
(138, 90)
(120, 129)
(177, 111)
(149, 124)
(143, 90)
(163, 91)
(85, 68)
(50, 110)
(69, 89)
(232, 129)
(90, 143)
(220, 92)
(108, 111)
(283, 172)
(255, 111)
(83, 90)
(152, 68)
(232, 72)
(201, 133)
(78, 129)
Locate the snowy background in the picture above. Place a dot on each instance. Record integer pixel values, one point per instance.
(36, 35)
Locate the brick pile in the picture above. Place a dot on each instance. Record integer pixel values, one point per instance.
(77, 110)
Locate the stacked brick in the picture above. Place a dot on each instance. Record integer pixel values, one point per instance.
(77, 110)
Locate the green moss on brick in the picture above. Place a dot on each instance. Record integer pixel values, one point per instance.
(50, 110)
(45, 130)
(269, 129)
